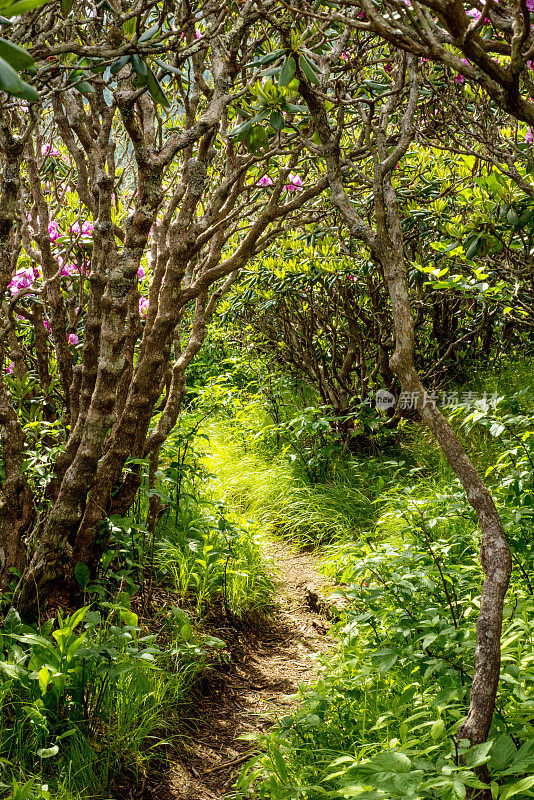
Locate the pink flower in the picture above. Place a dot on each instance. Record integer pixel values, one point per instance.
(22, 279)
(344, 56)
(294, 183)
(48, 150)
(72, 338)
(85, 229)
(388, 67)
(10, 369)
(528, 136)
(67, 269)
(47, 326)
(53, 230)
(198, 35)
(143, 306)
(265, 180)
(459, 78)
(140, 273)
(530, 5)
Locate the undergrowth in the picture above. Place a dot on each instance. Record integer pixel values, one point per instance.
(381, 722)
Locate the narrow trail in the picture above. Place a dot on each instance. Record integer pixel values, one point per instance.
(272, 661)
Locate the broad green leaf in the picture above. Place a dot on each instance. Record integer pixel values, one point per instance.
(266, 59)
(503, 752)
(139, 65)
(44, 679)
(279, 764)
(478, 755)
(119, 64)
(277, 120)
(66, 6)
(474, 247)
(10, 9)
(129, 617)
(247, 125)
(308, 70)
(438, 729)
(82, 574)
(287, 72)
(167, 68)
(517, 787)
(149, 34)
(15, 55)
(156, 92)
(13, 85)
(48, 752)
(13, 670)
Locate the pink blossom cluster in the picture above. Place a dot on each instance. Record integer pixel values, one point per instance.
(294, 183)
(265, 180)
(140, 273)
(530, 5)
(72, 338)
(67, 269)
(48, 150)
(85, 229)
(54, 231)
(10, 369)
(47, 326)
(23, 279)
(529, 136)
(143, 306)
(459, 77)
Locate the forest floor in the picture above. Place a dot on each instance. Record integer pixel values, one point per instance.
(269, 661)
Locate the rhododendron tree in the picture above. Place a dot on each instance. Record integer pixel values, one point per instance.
(130, 201)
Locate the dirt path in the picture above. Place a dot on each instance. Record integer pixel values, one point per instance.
(272, 661)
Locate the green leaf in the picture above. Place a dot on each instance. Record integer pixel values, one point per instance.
(308, 70)
(478, 755)
(13, 670)
(10, 9)
(84, 87)
(277, 120)
(517, 787)
(168, 67)
(503, 752)
(13, 85)
(15, 55)
(48, 752)
(156, 92)
(438, 729)
(149, 34)
(287, 72)
(129, 617)
(257, 139)
(66, 7)
(512, 216)
(139, 65)
(119, 64)
(82, 574)
(247, 125)
(279, 764)
(44, 679)
(266, 59)
(473, 248)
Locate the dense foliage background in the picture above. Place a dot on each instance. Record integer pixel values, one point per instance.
(223, 229)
